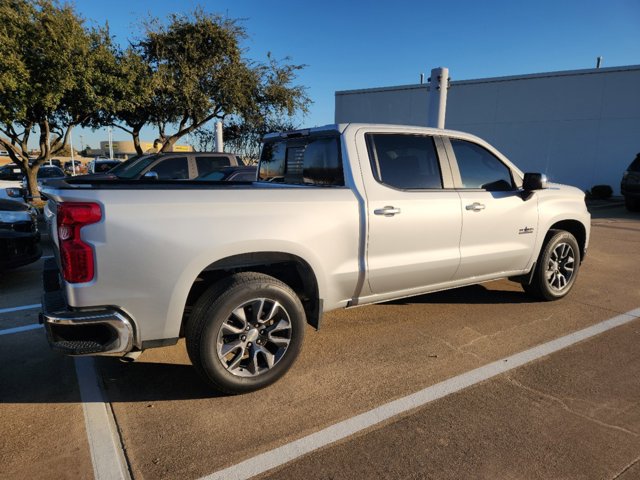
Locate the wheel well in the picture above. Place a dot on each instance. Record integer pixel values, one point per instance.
(576, 229)
(287, 268)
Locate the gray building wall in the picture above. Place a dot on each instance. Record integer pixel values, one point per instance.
(579, 127)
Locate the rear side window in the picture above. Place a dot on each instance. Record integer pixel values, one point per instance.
(635, 165)
(211, 164)
(172, 169)
(479, 168)
(406, 162)
(308, 161)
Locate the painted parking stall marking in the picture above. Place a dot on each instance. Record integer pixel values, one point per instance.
(19, 309)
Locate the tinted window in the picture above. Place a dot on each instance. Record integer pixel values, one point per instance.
(211, 164)
(172, 169)
(309, 161)
(479, 168)
(408, 162)
(131, 168)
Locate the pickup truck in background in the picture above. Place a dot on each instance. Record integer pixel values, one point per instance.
(340, 216)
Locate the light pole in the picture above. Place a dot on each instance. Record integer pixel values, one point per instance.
(110, 130)
(73, 160)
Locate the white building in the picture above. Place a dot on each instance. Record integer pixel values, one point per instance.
(579, 127)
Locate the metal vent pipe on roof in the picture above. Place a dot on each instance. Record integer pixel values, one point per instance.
(599, 62)
(438, 86)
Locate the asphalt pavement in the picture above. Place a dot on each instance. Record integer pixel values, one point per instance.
(571, 413)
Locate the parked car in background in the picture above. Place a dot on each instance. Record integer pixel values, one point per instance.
(102, 165)
(11, 182)
(246, 173)
(174, 166)
(19, 236)
(630, 185)
(69, 167)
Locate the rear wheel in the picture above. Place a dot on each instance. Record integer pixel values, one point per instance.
(556, 268)
(245, 332)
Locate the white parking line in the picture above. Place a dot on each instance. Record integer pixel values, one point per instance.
(18, 309)
(291, 451)
(26, 328)
(107, 455)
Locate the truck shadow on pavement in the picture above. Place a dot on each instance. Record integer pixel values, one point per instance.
(151, 381)
(474, 294)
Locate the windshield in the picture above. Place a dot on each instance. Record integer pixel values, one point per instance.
(50, 172)
(133, 167)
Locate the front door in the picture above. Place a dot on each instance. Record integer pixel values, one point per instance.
(499, 225)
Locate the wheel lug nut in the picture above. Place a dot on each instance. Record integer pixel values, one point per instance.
(261, 332)
(248, 328)
(243, 337)
(249, 344)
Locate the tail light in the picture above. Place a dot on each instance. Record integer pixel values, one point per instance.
(76, 256)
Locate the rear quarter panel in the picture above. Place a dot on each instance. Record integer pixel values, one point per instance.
(151, 245)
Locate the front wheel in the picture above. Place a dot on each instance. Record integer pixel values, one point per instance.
(632, 204)
(556, 268)
(245, 332)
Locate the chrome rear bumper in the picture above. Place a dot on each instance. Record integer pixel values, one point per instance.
(103, 331)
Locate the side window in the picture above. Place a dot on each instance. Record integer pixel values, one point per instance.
(407, 162)
(479, 168)
(172, 169)
(309, 161)
(209, 164)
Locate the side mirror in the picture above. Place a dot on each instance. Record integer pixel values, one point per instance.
(534, 181)
(151, 176)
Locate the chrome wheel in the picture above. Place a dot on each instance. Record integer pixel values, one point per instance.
(560, 267)
(254, 338)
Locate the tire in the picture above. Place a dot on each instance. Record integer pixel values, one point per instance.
(224, 344)
(632, 204)
(557, 267)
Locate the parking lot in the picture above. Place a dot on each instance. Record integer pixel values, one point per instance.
(479, 382)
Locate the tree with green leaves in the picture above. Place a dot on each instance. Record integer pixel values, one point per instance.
(192, 70)
(48, 78)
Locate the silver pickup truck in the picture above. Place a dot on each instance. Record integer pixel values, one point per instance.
(340, 216)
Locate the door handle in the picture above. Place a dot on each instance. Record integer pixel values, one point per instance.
(475, 206)
(387, 211)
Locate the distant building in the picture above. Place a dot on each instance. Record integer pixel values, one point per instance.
(126, 149)
(579, 127)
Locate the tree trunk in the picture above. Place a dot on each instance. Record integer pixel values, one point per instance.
(169, 143)
(136, 141)
(32, 181)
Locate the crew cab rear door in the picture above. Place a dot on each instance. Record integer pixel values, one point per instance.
(499, 224)
(413, 213)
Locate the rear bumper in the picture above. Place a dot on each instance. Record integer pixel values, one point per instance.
(99, 331)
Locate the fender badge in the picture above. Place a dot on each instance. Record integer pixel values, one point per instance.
(525, 230)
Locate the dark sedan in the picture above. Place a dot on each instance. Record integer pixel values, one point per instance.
(19, 236)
